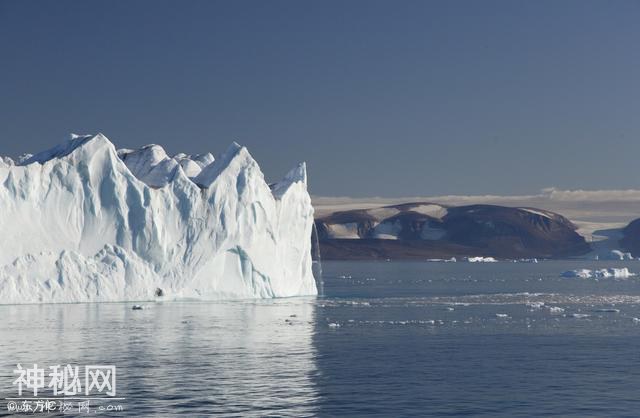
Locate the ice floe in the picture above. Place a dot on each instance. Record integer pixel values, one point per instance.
(616, 273)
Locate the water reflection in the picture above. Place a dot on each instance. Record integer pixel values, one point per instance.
(199, 358)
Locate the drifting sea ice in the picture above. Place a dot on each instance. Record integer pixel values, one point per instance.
(481, 260)
(616, 273)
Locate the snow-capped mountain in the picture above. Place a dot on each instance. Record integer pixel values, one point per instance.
(85, 222)
(424, 230)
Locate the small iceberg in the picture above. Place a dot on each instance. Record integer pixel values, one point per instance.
(616, 273)
(617, 255)
(442, 260)
(554, 310)
(622, 273)
(526, 260)
(481, 260)
(580, 273)
(578, 316)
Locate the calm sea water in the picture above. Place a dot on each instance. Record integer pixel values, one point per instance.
(387, 339)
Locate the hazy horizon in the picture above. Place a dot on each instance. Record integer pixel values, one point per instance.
(417, 98)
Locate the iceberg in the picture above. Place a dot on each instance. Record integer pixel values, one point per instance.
(481, 260)
(616, 273)
(84, 222)
(580, 273)
(619, 255)
(620, 273)
(555, 310)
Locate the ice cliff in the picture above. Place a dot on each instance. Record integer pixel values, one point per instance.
(84, 222)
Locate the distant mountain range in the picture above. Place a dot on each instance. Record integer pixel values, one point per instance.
(424, 230)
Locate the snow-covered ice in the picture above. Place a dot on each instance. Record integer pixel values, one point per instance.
(581, 273)
(84, 222)
(442, 260)
(554, 310)
(481, 260)
(617, 273)
(578, 316)
(619, 255)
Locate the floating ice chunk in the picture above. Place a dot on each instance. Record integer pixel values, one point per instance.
(617, 273)
(618, 255)
(357, 303)
(442, 260)
(578, 316)
(554, 310)
(481, 260)
(581, 273)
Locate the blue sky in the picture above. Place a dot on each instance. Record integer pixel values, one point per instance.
(381, 98)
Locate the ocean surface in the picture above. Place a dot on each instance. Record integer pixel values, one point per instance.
(387, 339)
